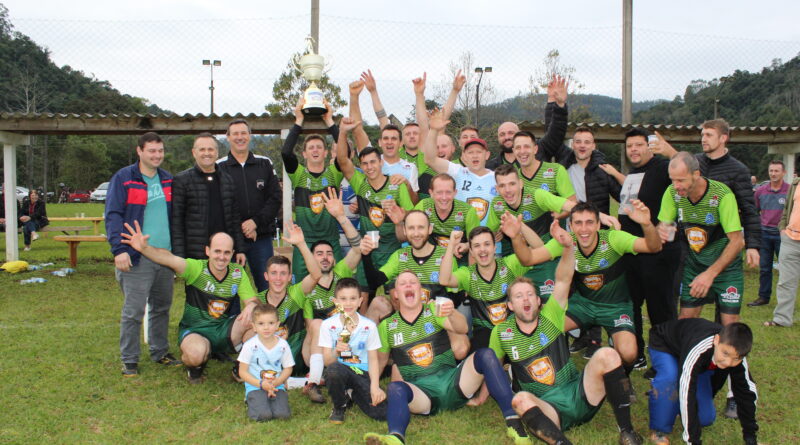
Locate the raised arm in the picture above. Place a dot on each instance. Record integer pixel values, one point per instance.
(342, 148)
(362, 140)
(553, 138)
(555, 108)
(290, 162)
(421, 111)
(458, 83)
(437, 124)
(565, 269)
(446, 276)
(334, 206)
(528, 255)
(293, 235)
(640, 214)
(138, 241)
(380, 112)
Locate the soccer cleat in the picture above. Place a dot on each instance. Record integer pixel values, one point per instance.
(659, 438)
(640, 364)
(314, 393)
(235, 372)
(516, 432)
(195, 374)
(382, 439)
(630, 437)
(579, 344)
(337, 415)
(730, 409)
(169, 360)
(130, 369)
(591, 348)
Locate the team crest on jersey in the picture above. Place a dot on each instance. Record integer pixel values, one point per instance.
(479, 188)
(443, 241)
(324, 182)
(603, 246)
(368, 194)
(593, 282)
(268, 374)
(474, 276)
(714, 201)
(545, 187)
(677, 197)
(731, 295)
(216, 308)
(541, 370)
(503, 271)
(316, 203)
(481, 206)
(434, 277)
(543, 339)
(493, 191)
(526, 216)
(429, 328)
(709, 219)
(459, 218)
(426, 295)
(376, 215)
(404, 256)
(603, 263)
(234, 289)
(308, 182)
(623, 320)
(508, 334)
(503, 288)
(527, 199)
(547, 287)
(282, 332)
(421, 355)
(697, 238)
(497, 313)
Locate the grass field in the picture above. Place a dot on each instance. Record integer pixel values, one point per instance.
(60, 376)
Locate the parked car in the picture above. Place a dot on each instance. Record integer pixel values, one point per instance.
(99, 194)
(22, 193)
(79, 196)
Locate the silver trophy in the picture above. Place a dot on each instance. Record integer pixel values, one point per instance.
(311, 66)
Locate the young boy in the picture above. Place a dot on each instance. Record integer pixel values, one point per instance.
(350, 344)
(265, 363)
(692, 358)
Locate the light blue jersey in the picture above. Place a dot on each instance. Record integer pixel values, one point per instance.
(264, 363)
(364, 338)
(405, 168)
(475, 190)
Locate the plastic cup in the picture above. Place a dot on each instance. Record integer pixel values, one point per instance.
(440, 301)
(652, 140)
(672, 227)
(375, 236)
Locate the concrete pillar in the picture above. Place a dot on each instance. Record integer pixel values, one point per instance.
(9, 141)
(789, 152)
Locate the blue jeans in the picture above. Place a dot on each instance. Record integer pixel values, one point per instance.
(257, 255)
(27, 228)
(770, 248)
(663, 396)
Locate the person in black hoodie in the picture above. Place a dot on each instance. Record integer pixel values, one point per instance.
(33, 217)
(693, 357)
(204, 203)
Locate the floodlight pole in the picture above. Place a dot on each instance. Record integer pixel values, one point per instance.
(479, 70)
(212, 64)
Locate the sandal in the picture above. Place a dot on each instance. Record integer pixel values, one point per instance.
(772, 324)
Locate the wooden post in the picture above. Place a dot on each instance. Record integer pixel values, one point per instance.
(9, 140)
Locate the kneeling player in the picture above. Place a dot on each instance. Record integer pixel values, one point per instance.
(417, 340)
(556, 396)
(693, 357)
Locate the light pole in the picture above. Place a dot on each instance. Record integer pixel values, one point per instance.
(212, 64)
(479, 70)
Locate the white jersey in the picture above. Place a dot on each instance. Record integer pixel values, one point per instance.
(363, 339)
(263, 362)
(405, 168)
(475, 190)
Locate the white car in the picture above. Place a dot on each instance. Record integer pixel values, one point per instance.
(22, 193)
(99, 194)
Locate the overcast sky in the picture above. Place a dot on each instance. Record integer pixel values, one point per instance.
(153, 49)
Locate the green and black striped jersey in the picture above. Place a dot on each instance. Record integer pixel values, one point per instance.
(488, 297)
(535, 206)
(550, 177)
(208, 300)
(290, 311)
(372, 215)
(309, 208)
(425, 268)
(462, 217)
(319, 303)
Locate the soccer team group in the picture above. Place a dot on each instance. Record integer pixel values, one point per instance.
(486, 264)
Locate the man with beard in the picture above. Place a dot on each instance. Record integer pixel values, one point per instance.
(555, 396)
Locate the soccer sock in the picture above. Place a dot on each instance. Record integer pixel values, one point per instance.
(315, 366)
(399, 395)
(542, 427)
(486, 363)
(730, 391)
(618, 393)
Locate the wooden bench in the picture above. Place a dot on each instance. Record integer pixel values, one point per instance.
(74, 240)
(63, 229)
(96, 220)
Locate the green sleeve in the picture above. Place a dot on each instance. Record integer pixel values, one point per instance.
(494, 343)
(403, 200)
(342, 270)
(338, 176)
(308, 310)
(384, 335)
(554, 312)
(668, 212)
(262, 296)
(245, 290)
(729, 214)
(295, 292)
(294, 176)
(555, 248)
(513, 263)
(357, 180)
(492, 220)
(563, 184)
(421, 205)
(472, 220)
(193, 270)
(621, 241)
(463, 276)
(392, 267)
(549, 201)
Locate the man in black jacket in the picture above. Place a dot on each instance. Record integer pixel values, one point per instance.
(258, 197)
(204, 203)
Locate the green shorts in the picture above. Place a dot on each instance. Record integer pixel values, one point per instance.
(544, 278)
(219, 335)
(569, 401)
(442, 388)
(726, 291)
(614, 317)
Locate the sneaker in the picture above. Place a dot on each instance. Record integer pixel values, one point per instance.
(650, 374)
(579, 344)
(314, 393)
(235, 372)
(337, 415)
(659, 438)
(516, 432)
(195, 374)
(169, 360)
(630, 437)
(34, 236)
(130, 369)
(640, 364)
(27, 248)
(730, 409)
(591, 348)
(382, 439)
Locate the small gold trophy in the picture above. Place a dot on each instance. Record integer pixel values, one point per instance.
(311, 66)
(348, 324)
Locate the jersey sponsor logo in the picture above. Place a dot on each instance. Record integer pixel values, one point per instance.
(508, 334)
(498, 206)
(714, 201)
(593, 282)
(421, 355)
(547, 287)
(459, 218)
(376, 215)
(497, 313)
(623, 320)
(541, 370)
(216, 308)
(481, 206)
(429, 212)
(443, 241)
(503, 271)
(697, 238)
(603, 263)
(404, 256)
(549, 173)
(392, 187)
(392, 325)
(603, 246)
(709, 219)
(237, 273)
(731, 295)
(316, 203)
(234, 289)
(677, 197)
(260, 183)
(429, 328)
(527, 199)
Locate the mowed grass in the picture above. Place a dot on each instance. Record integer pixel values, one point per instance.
(60, 376)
